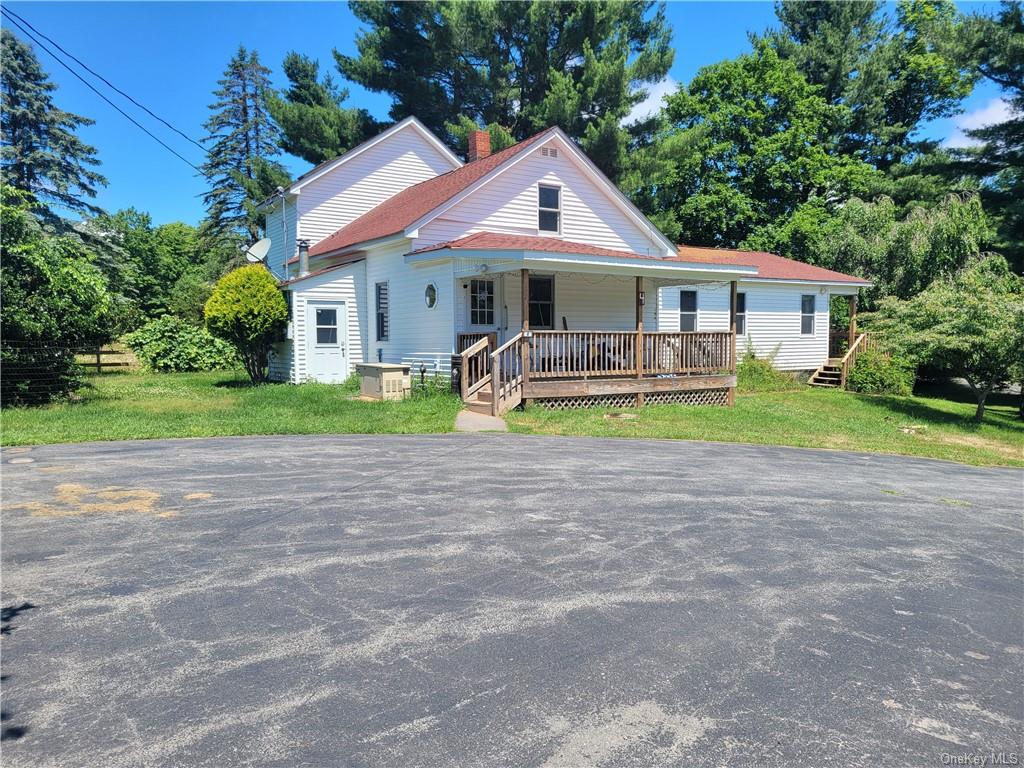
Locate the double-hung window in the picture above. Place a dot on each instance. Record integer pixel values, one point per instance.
(383, 319)
(687, 310)
(481, 302)
(807, 314)
(741, 314)
(326, 327)
(549, 208)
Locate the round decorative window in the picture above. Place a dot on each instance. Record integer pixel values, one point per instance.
(430, 295)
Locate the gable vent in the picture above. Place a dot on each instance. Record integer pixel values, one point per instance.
(549, 152)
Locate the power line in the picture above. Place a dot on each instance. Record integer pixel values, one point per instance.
(101, 77)
(91, 87)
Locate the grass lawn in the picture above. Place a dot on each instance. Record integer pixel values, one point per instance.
(123, 406)
(935, 427)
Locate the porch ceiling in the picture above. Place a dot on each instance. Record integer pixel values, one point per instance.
(497, 261)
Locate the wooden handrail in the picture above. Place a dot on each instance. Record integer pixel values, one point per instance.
(507, 344)
(864, 341)
(476, 369)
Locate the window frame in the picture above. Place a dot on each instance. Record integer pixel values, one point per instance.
(541, 209)
(382, 310)
(741, 316)
(549, 302)
(335, 326)
(694, 312)
(431, 286)
(474, 299)
(806, 316)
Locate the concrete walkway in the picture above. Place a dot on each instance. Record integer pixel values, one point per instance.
(472, 421)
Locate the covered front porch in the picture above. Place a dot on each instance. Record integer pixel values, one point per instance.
(572, 332)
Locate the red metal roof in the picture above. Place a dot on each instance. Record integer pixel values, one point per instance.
(769, 265)
(399, 211)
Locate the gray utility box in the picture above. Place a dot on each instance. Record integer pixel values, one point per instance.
(384, 381)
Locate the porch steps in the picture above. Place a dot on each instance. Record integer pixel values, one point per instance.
(828, 375)
(479, 401)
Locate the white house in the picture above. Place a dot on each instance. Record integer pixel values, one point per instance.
(529, 272)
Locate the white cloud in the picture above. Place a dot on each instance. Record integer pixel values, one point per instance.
(995, 111)
(654, 101)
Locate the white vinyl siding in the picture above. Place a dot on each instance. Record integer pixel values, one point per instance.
(344, 194)
(773, 320)
(416, 334)
(347, 284)
(509, 204)
(282, 237)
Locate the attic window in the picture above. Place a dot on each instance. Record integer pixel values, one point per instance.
(549, 152)
(548, 208)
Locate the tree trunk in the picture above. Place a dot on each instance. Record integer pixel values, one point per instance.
(982, 394)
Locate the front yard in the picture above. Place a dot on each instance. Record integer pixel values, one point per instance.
(154, 405)
(146, 405)
(934, 427)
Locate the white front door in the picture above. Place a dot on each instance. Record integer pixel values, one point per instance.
(326, 324)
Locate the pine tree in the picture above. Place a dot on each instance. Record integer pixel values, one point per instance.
(518, 66)
(40, 153)
(243, 142)
(314, 124)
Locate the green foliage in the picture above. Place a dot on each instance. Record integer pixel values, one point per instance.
(759, 374)
(314, 123)
(463, 126)
(750, 145)
(243, 142)
(189, 295)
(876, 373)
(54, 301)
(900, 255)
(171, 345)
(970, 324)
(41, 154)
(523, 66)
(248, 310)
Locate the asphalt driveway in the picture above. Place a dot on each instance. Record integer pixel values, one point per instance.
(485, 600)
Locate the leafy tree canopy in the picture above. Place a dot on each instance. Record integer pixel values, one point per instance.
(970, 324)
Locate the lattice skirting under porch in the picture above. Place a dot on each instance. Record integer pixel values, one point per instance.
(687, 397)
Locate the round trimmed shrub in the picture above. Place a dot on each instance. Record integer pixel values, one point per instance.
(170, 344)
(248, 310)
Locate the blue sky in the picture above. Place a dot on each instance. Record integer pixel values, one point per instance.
(170, 55)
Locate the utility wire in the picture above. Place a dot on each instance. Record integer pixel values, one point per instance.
(91, 87)
(93, 72)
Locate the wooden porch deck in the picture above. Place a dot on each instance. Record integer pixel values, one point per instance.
(573, 368)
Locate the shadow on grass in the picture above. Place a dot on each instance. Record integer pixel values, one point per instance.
(916, 411)
(239, 383)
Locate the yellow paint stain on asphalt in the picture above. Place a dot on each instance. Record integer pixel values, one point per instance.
(197, 496)
(55, 468)
(71, 499)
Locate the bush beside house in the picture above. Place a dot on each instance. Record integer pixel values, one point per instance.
(171, 345)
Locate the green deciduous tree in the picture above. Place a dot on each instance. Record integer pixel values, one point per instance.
(40, 152)
(970, 324)
(314, 123)
(54, 300)
(522, 66)
(248, 310)
(892, 71)
(750, 144)
(243, 142)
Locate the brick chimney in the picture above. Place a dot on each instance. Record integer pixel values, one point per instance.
(479, 145)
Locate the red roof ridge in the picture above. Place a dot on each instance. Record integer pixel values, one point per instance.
(770, 266)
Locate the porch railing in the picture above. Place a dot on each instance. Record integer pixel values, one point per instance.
(464, 341)
(598, 354)
(476, 367)
(507, 380)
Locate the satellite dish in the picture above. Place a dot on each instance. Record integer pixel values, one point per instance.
(257, 252)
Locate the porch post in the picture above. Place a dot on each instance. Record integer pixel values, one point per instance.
(639, 343)
(852, 331)
(732, 335)
(524, 345)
